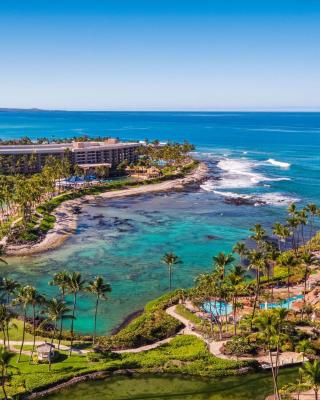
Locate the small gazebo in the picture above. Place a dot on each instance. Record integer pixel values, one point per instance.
(45, 351)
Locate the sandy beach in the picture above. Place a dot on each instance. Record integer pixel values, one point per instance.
(66, 219)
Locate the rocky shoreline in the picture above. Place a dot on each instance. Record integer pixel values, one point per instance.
(67, 220)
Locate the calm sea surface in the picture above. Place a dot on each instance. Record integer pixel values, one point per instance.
(270, 159)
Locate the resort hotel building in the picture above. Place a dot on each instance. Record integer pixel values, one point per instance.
(87, 155)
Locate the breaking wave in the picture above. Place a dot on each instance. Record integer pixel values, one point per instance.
(239, 173)
(280, 164)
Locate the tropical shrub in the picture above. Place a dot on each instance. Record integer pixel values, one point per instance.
(240, 346)
(153, 325)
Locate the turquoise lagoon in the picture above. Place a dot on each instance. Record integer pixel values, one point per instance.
(265, 159)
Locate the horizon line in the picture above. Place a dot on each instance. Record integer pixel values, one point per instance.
(226, 110)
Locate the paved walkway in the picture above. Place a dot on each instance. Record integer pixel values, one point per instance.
(16, 343)
(285, 358)
(146, 347)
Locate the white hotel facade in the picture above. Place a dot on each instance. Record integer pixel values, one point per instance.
(108, 153)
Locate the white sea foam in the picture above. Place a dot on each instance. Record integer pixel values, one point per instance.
(239, 173)
(280, 164)
(258, 199)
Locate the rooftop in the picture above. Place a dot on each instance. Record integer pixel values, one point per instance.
(58, 147)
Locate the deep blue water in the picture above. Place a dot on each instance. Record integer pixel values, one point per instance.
(270, 159)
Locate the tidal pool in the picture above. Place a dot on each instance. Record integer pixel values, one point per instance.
(254, 386)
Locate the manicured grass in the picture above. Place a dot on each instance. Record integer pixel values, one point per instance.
(15, 334)
(184, 354)
(184, 312)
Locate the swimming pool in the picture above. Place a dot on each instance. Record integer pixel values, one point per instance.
(217, 307)
(287, 303)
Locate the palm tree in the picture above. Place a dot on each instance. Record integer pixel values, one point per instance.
(293, 224)
(289, 261)
(256, 263)
(170, 259)
(235, 281)
(6, 316)
(258, 234)
(292, 209)
(99, 288)
(221, 261)
(5, 357)
(35, 299)
(62, 280)
(9, 287)
(282, 232)
(23, 299)
(241, 249)
(312, 209)
(56, 309)
(304, 347)
(75, 285)
(311, 372)
(3, 312)
(270, 324)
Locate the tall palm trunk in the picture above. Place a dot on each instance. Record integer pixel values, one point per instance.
(34, 332)
(95, 320)
(73, 313)
(60, 332)
(23, 332)
(61, 321)
(234, 314)
(274, 376)
(256, 297)
(4, 334)
(170, 278)
(3, 379)
(53, 336)
(8, 337)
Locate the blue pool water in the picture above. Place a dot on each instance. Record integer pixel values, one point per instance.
(287, 303)
(270, 158)
(217, 307)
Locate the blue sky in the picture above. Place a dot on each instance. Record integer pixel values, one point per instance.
(160, 54)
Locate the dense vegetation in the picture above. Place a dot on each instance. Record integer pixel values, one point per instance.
(154, 324)
(26, 202)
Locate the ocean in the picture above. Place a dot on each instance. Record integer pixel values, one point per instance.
(263, 160)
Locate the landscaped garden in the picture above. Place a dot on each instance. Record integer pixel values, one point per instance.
(258, 308)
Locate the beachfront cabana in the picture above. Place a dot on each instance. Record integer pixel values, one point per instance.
(45, 351)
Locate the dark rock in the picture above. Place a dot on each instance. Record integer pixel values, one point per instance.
(212, 237)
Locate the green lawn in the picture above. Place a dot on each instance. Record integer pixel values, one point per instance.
(184, 354)
(184, 312)
(15, 333)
